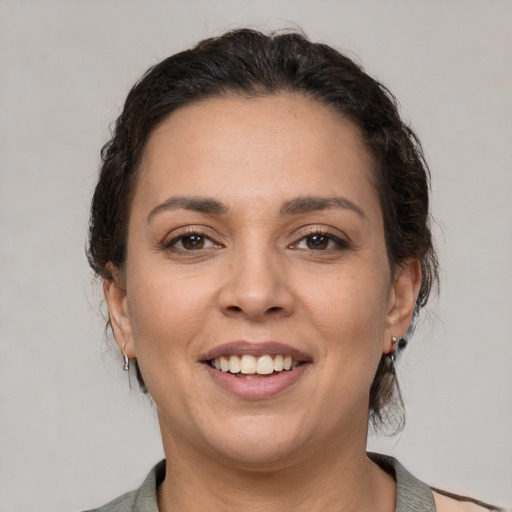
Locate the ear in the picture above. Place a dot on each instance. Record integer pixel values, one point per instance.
(115, 296)
(402, 301)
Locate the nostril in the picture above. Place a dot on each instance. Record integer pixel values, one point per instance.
(238, 309)
(255, 303)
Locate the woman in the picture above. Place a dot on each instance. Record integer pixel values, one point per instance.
(261, 226)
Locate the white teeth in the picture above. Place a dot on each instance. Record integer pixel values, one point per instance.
(234, 364)
(278, 363)
(249, 365)
(224, 364)
(265, 365)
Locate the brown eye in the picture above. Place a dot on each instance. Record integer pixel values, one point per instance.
(321, 242)
(317, 242)
(193, 242)
(190, 242)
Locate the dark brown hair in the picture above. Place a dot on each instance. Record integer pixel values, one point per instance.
(250, 63)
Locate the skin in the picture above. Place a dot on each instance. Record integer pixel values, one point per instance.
(256, 277)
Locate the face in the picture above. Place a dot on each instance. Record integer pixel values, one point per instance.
(256, 242)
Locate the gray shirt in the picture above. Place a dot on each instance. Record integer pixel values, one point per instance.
(412, 495)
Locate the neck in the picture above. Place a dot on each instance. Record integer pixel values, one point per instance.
(338, 478)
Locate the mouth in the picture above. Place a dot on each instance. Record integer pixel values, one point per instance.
(254, 367)
(255, 370)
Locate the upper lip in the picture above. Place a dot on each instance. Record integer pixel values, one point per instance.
(242, 347)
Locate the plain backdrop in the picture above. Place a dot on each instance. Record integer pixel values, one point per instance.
(72, 434)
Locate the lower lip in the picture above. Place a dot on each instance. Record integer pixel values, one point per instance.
(259, 388)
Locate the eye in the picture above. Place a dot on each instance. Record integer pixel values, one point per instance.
(321, 242)
(191, 242)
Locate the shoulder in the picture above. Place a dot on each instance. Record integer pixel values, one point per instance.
(447, 502)
(144, 498)
(413, 494)
(122, 504)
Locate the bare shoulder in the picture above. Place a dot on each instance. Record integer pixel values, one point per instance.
(449, 503)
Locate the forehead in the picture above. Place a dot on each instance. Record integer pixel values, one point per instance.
(267, 147)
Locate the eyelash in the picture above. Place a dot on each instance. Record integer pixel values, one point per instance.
(339, 243)
(171, 244)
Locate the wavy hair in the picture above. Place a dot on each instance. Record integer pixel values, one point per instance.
(250, 63)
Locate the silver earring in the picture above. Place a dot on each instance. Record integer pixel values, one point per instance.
(394, 341)
(392, 359)
(126, 366)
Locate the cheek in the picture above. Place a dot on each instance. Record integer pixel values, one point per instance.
(348, 306)
(166, 312)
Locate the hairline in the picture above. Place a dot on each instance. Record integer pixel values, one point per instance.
(231, 92)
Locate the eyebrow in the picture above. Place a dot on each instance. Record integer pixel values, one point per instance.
(307, 204)
(296, 206)
(206, 205)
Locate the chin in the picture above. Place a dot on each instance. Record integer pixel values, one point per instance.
(257, 444)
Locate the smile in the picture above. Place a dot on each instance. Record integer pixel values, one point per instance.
(249, 366)
(253, 370)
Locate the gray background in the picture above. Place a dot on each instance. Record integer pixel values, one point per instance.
(72, 434)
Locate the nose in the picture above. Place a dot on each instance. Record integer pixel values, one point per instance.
(256, 287)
